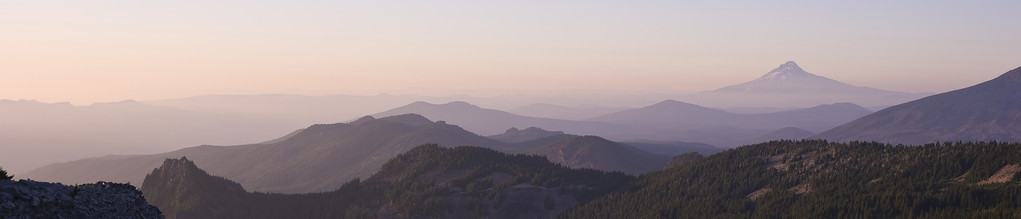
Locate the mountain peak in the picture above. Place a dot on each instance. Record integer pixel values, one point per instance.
(786, 71)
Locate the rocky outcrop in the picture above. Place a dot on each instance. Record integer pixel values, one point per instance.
(32, 199)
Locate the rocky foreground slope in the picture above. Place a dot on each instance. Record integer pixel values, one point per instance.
(32, 199)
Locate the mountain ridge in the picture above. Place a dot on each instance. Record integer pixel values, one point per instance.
(987, 111)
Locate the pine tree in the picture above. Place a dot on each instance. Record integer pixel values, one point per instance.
(4, 176)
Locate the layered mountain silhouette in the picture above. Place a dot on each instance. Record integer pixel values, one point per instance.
(788, 85)
(491, 122)
(989, 111)
(35, 134)
(554, 111)
(701, 124)
(319, 158)
(597, 153)
(662, 122)
(515, 135)
(315, 159)
(425, 182)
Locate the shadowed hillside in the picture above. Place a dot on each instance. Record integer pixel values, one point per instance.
(319, 158)
(597, 153)
(426, 182)
(990, 111)
(820, 179)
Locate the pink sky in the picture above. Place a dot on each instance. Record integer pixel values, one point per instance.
(102, 51)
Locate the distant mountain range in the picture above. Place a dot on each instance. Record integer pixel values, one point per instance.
(564, 112)
(665, 121)
(322, 157)
(490, 122)
(790, 86)
(597, 153)
(675, 115)
(34, 134)
(990, 111)
(425, 182)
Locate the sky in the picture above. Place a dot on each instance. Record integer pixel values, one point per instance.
(104, 51)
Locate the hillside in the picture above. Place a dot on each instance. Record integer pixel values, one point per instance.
(319, 158)
(597, 153)
(820, 179)
(427, 181)
(989, 111)
(515, 135)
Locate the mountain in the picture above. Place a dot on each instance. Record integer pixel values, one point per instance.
(319, 158)
(43, 133)
(425, 182)
(989, 111)
(671, 114)
(492, 122)
(674, 147)
(789, 77)
(789, 133)
(791, 86)
(553, 111)
(597, 153)
(817, 118)
(693, 123)
(820, 179)
(515, 135)
(676, 115)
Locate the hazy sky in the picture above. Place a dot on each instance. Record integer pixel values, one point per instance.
(89, 51)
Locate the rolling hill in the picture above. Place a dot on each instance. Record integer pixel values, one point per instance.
(597, 153)
(989, 111)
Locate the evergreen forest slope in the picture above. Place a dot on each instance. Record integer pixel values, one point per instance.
(821, 179)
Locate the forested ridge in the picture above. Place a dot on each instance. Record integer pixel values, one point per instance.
(821, 179)
(428, 181)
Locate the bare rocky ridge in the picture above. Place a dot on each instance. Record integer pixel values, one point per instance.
(33, 199)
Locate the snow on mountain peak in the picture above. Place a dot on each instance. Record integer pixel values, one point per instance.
(786, 71)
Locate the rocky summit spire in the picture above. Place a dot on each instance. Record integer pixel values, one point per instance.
(786, 71)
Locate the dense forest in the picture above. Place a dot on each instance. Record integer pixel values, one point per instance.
(427, 182)
(820, 179)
